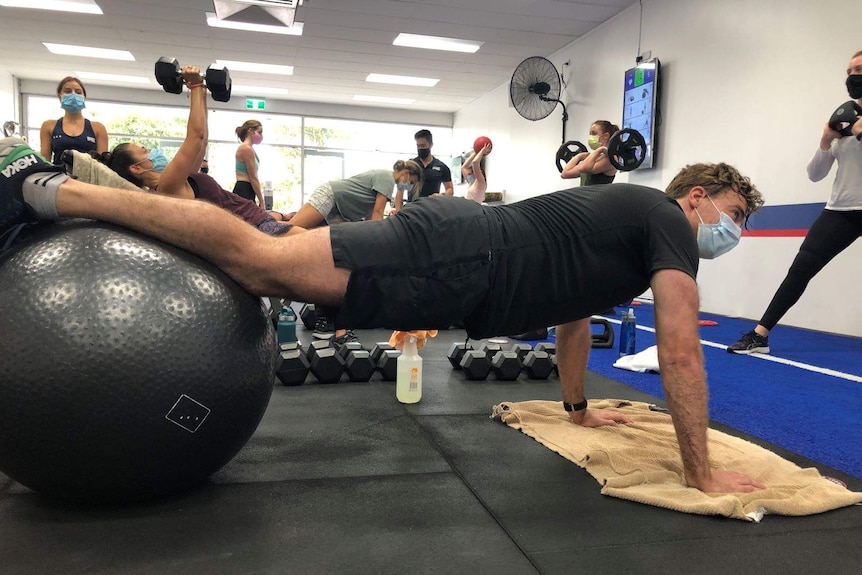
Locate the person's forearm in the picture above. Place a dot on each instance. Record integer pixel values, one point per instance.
(820, 164)
(196, 128)
(573, 350)
(686, 395)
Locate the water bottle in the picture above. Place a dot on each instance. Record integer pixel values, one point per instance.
(627, 333)
(286, 328)
(408, 381)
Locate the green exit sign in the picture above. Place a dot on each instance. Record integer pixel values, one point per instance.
(251, 104)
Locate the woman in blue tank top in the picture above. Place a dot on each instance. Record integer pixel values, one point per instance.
(72, 131)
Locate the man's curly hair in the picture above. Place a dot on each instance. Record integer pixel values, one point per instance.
(715, 179)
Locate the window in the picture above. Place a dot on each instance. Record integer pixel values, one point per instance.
(297, 154)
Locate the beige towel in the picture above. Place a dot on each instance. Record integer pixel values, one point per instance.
(87, 169)
(641, 462)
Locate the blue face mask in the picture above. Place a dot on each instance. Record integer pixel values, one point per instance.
(160, 162)
(714, 240)
(404, 186)
(72, 102)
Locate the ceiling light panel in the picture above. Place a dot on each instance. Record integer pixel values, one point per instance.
(88, 52)
(437, 43)
(403, 80)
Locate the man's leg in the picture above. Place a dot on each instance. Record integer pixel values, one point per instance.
(298, 266)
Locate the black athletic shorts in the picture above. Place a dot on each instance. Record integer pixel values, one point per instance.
(428, 267)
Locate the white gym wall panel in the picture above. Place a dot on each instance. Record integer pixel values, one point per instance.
(748, 83)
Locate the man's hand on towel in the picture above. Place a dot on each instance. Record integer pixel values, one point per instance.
(723, 481)
(597, 417)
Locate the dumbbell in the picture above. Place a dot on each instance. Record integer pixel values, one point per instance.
(476, 364)
(308, 315)
(169, 76)
(605, 338)
(292, 364)
(844, 117)
(456, 353)
(387, 364)
(325, 362)
(538, 365)
(506, 365)
(357, 361)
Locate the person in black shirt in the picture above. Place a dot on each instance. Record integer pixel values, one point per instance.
(550, 259)
(434, 173)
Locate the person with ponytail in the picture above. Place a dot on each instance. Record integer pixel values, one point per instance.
(72, 131)
(593, 167)
(247, 163)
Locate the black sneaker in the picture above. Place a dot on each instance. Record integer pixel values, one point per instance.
(750, 342)
(17, 161)
(324, 329)
(346, 338)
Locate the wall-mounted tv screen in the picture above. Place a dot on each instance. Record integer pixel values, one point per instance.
(640, 105)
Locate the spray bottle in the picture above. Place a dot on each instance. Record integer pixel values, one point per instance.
(627, 333)
(408, 382)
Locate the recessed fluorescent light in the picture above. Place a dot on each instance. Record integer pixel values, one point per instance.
(437, 43)
(257, 90)
(294, 30)
(383, 99)
(113, 77)
(255, 67)
(88, 52)
(406, 80)
(79, 6)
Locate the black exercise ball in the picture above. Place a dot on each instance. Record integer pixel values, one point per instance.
(128, 368)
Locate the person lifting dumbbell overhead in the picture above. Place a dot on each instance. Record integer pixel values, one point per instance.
(840, 222)
(443, 260)
(593, 167)
(182, 177)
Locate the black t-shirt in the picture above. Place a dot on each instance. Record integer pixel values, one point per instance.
(567, 255)
(434, 174)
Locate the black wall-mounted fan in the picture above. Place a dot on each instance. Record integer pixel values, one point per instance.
(535, 90)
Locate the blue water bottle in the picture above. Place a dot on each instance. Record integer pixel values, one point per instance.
(286, 330)
(627, 333)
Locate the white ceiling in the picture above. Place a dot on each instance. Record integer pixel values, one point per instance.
(343, 41)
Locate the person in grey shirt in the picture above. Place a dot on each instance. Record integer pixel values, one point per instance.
(360, 197)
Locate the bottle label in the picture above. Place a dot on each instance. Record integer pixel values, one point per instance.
(414, 379)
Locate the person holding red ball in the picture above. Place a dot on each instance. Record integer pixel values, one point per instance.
(473, 172)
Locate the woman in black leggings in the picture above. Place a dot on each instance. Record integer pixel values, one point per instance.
(838, 226)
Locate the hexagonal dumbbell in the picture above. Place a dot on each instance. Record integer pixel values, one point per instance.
(387, 364)
(456, 353)
(476, 364)
(537, 365)
(293, 366)
(326, 365)
(506, 365)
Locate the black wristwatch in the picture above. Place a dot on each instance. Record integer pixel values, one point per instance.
(575, 406)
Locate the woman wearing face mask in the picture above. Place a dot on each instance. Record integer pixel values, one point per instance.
(593, 167)
(247, 163)
(72, 131)
(181, 177)
(837, 226)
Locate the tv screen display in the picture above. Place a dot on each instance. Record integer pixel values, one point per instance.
(640, 105)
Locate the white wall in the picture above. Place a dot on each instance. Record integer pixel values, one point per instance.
(8, 97)
(748, 83)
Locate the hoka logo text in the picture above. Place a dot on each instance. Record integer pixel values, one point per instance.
(19, 164)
